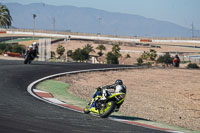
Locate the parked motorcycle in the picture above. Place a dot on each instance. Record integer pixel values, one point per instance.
(104, 108)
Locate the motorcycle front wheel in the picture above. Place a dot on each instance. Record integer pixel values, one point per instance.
(86, 110)
(26, 59)
(107, 109)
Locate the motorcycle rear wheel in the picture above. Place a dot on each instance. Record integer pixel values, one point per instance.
(107, 109)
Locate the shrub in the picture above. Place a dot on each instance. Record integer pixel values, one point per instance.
(80, 54)
(128, 56)
(139, 61)
(60, 50)
(152, 54)
(166, 59)
(69, 53)
(193, 66)
(53, 54)
(112, 58)
(15, 48)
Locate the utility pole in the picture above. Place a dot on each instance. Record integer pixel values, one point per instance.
(54, 23)
(192, 30)
(67, 40)
(99, 19)
(34, 16)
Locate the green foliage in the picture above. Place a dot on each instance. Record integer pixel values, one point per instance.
(53, 54)
(88, 48)
(5, 17)
(1, 51)
(15, 48)
(139, 61)
(166, 59)
(152, 54)
(116, 50)
(101, 48)
(112, 58)
(60, 50)
(80, 55)
(69, 53)
(193, 66)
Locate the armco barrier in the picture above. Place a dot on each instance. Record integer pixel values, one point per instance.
(13, 54)
(3, 32)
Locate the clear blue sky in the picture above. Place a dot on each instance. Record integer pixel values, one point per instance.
(182, 12)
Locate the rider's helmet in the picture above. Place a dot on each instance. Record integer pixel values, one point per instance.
(118, 88)
(118, 82)
(34, 43)
(30, 47)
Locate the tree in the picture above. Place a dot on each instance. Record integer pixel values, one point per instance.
(53, 54)
(80, 55)
(69, 53)
(101, 48)
(60, 50)
(139, 61)
(112, 58)
(149, 55)
(5, 18)
(153, 54)
(116, 50)
(88, 48)
(18, 48)
(166, 59)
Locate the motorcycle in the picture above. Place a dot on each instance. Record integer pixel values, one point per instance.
(104, 108)
(29, 57)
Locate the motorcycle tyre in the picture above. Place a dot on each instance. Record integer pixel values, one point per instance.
(109, 111)
(26, 59)
(86, 110)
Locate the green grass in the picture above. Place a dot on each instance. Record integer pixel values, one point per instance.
(59, 90)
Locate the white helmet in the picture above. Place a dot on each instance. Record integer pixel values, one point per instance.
(34, 43)
(30, 46)
(118, 88)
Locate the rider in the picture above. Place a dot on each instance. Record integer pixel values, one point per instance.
(118, 87)
(35, 49)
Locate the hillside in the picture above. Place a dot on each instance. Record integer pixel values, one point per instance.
(87, 20)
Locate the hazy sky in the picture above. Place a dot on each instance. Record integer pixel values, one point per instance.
(182, 12)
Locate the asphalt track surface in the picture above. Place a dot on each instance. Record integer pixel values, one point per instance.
(22, 113)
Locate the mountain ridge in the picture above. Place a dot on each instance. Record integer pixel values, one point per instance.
(90, 20)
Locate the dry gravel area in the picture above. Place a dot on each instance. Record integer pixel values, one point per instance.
(164, 95)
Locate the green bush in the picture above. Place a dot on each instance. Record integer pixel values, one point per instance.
(166, 59)
(60, 50)
(112, 58)
(139, 61)
(15, 48)
(193, 66)
(69, 53)
(53, 54)
(80, 55)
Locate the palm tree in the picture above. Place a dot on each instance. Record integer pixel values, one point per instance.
(5, 18)
(88, 48)
(101, 48)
